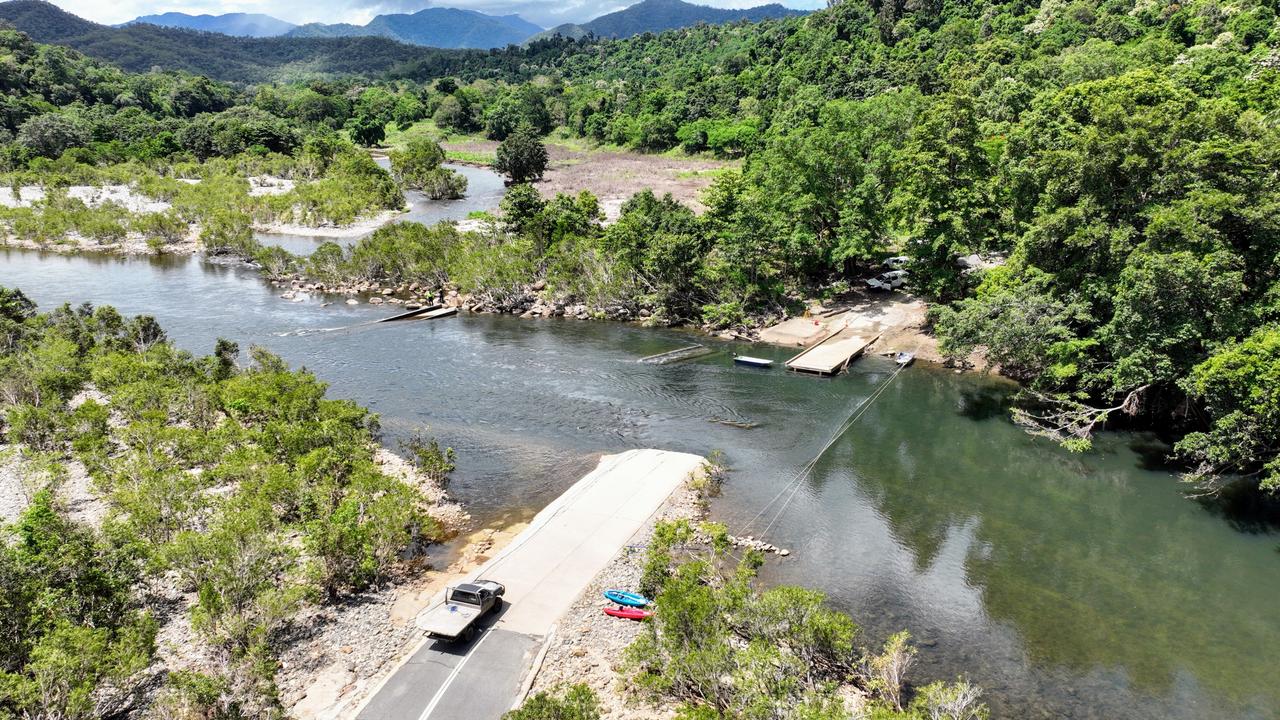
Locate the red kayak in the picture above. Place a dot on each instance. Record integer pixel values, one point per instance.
(629, 613)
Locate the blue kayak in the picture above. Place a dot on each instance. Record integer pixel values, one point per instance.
(627, 599)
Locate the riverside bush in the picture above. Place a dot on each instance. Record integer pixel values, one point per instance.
(577, 702)
(75, 632)
(254, 489)
(723, 649)
(418, 166)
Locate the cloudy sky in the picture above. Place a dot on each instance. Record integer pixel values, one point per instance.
(543, 12)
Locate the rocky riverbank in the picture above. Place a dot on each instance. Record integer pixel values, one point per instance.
(528, 302)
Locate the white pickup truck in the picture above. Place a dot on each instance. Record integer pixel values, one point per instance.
(455, 618)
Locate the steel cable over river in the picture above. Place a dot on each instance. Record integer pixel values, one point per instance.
(1079, 586)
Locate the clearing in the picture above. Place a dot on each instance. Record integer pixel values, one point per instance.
(612, 174)
(898, 319)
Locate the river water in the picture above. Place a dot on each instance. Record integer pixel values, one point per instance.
(1078, 586)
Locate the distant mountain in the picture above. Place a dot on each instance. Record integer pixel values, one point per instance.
(140, 47)
(321, 30)
(239, 24)
(658, 15)
(572, 31)
(433, 27)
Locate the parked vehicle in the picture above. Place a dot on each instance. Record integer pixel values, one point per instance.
(897, 262)
(455, 618)
(891, 280)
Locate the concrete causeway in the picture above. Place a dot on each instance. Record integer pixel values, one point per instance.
(545, 568)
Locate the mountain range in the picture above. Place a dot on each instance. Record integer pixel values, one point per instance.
(238, 24)
(457, 28)
(658, 15)
(433, 27)
(139, 47)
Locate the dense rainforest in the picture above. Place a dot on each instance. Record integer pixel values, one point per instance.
(1119, 156)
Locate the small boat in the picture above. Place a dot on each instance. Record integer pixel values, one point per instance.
(626, 599)
(752, 361)
(629, 613)
(904, 358)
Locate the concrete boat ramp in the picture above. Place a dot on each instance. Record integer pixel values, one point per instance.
(545, 568)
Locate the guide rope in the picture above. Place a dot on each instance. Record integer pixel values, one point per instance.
(797, 481)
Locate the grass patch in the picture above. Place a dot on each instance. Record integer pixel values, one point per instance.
(470, 157)
(695, 174)
(398, 139)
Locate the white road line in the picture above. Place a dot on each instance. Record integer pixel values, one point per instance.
(435, 700)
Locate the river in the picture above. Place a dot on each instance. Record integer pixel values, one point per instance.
(1078, 586)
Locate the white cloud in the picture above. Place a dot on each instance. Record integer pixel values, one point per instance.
(543, 12)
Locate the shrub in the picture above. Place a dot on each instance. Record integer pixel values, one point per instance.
(433, 462)
(577, 702)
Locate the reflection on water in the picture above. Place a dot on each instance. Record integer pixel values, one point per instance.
(1081, 586)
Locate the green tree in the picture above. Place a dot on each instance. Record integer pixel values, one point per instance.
(522, 157)
(1239, 388)
(418, 166)
(453, 114)
(368, 130)
(51, 134)
(942, 202)
(521, 207)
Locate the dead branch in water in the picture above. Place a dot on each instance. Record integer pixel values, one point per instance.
(1071, 422)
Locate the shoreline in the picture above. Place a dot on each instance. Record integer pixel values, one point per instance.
(135, 244)
(361, 226)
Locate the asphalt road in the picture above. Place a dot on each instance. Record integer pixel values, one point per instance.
(544, 569)
(476, 680)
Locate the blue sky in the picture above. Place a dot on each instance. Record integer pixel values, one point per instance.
(543, 12)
